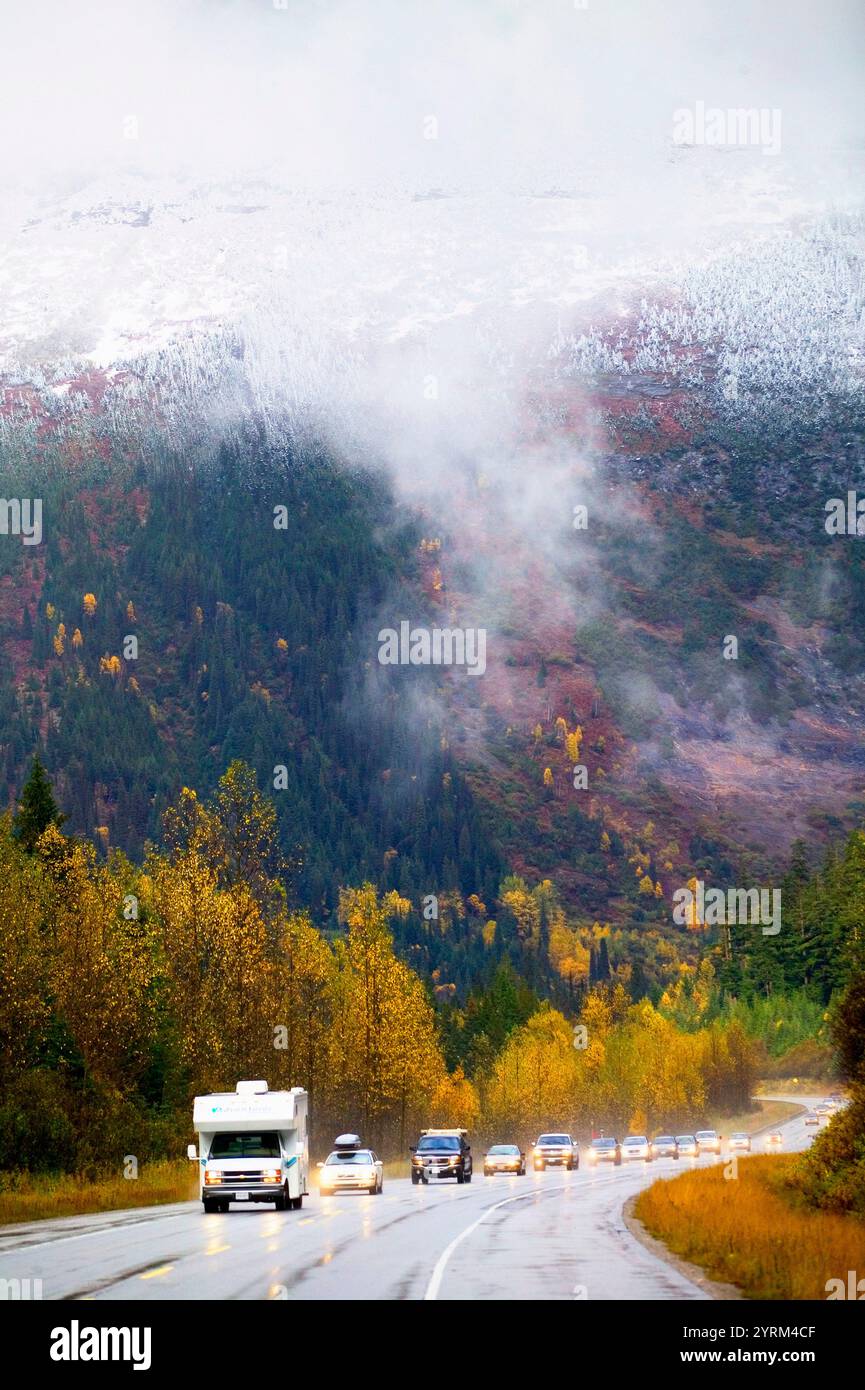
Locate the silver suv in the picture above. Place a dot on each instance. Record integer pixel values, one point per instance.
(558, 1149)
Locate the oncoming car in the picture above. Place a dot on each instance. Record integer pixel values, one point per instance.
(555, 1149)
(441, 1153)
(687, 1145)
(504, 1158)
(604, 1151)
(740, 1142)
(774, 1140)
(665, 1146)
(636, 1146)
(708, 1142)
(350, 1168)
(812, 1118)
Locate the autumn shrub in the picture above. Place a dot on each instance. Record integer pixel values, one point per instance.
(36, 1131)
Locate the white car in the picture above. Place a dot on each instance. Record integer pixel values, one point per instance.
(636, 1146)
(504, 1158)
(555, 1149)
(739, 1142)
(664, 1146)
(687, 1146)
(351, 1169)
(774, 1140)
(708, 1141)
(812, 1118)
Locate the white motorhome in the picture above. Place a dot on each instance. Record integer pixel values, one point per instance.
(253, 1146)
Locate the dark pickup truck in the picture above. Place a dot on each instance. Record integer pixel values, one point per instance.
(441, 1153)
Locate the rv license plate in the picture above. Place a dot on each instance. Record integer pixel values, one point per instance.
(241, 1196)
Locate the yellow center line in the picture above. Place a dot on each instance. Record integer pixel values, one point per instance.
(155, 1273)
(216, 1250)
(307, 1220)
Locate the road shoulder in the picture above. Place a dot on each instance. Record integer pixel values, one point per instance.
(657, 1248)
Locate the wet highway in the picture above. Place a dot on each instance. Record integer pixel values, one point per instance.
(551, 1235)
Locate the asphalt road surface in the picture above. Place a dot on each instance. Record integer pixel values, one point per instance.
(552, 1235)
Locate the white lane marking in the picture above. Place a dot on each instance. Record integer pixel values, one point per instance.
(441, 1264)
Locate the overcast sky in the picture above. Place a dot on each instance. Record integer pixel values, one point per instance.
(334, 92)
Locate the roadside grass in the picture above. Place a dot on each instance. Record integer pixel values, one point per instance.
(36, 1197)
(743, 1231)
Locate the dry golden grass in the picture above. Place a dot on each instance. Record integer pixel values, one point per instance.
(745, 1232)
(24, 1197)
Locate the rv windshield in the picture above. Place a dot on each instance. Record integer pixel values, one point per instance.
(245, 1145)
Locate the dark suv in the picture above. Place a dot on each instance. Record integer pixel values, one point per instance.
(441, 1153)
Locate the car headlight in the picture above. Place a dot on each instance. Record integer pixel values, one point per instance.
(272, 1175)
(211, 1176)
(417, 1159)
(453, 1160)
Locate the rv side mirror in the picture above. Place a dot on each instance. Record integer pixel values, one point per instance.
(192, 1152)
(412, 1148)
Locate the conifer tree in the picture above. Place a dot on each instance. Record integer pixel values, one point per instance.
(37, 808)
